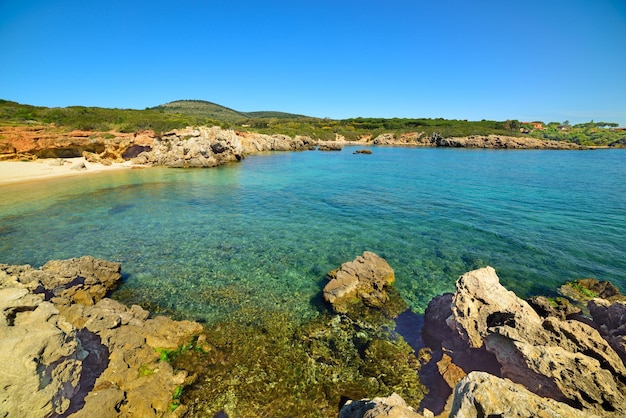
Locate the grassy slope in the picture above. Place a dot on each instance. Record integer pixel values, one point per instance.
(182, 113)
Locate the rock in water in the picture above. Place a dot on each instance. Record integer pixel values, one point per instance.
(365, 280)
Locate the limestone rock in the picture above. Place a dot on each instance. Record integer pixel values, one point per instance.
(480, 302)
(565, 360)
(385, 139)
(365, 278)
(40, 354)
(85, 355)
(483, 395)
(610, 320)
(581, 291)
(193, 147)
(329, 146)
(85, 279)
(559, 307)
(392, 406)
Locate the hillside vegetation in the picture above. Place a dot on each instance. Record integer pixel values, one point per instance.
(182, 113)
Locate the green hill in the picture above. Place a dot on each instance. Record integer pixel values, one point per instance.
(182, 113)
(204, 109)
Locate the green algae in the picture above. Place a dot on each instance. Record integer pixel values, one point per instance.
(267, 364)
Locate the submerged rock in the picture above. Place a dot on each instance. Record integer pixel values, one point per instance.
(363, 283)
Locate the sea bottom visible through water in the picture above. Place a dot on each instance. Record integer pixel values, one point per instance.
(260, 235)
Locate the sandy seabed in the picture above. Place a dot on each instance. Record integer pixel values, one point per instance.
(23, 171)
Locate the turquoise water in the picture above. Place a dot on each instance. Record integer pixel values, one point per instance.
(261, 234)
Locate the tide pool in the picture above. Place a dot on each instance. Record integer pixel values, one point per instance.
(206, 244)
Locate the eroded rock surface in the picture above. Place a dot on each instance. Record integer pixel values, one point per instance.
(392, 406)
(366, 280)
(483, 395)
(212, 146)
(40, 354)
(610, 320)
(565, 360)
(73, 352)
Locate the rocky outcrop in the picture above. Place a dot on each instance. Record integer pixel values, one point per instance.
(329, 146)
(610, 320)
(31, 142)
(253, 142)
(565, 360)
(392, 406)
(366, 279)
(74, 352)
(210, 147)
(557, 307)
(473, 141)
(40, 354)
(193, 147)
(502, 142)
(483, 395)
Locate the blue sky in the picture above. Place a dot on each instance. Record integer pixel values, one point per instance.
(546, 60)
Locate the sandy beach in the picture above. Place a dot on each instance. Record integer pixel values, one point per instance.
(22, 171)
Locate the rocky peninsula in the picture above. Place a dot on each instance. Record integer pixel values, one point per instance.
(69, 350)
(198, 144)
(60, 153)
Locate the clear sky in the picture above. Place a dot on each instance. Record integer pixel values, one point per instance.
(549, 60)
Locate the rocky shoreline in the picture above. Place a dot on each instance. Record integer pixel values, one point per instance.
(209, 146)
(68, 350)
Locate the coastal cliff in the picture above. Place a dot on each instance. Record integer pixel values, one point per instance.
(209, 146)
(68, 350)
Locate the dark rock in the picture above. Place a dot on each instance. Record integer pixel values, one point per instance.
(557, 307)
(329, 146)
(134, 150)
(610, 320)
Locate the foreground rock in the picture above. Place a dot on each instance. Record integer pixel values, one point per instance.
(72, 352)
(483, 395)
(564, 360)
(392, 406)
(40, 354)
(610, 320)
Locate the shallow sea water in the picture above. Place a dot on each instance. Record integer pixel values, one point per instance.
(207, 244)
